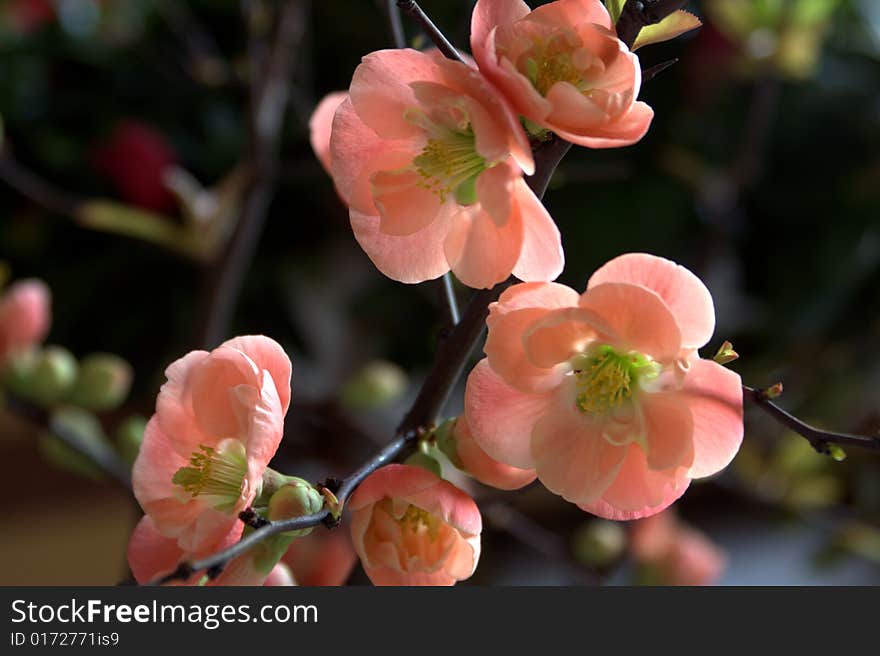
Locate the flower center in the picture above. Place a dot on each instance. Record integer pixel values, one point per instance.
(216, 475)
(416, 520)
(450, 164)
(549, 62)
(606, 379)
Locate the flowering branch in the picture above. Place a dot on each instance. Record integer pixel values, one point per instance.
(819, 439)
(449, 362)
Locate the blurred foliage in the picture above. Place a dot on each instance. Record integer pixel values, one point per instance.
(760, 173)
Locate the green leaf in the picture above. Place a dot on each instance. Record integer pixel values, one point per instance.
(615, 7)
(675, 24)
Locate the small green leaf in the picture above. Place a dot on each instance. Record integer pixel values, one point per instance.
(675, 24)
(615, 7)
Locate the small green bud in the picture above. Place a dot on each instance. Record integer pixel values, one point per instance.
(774, 391)
(52, 376)
(599, 543)
(425, 461)
(836, 452)
(103, 382)
(375, 385)
(129, 436)
(444, 438)
(726, 354)
(295, 499)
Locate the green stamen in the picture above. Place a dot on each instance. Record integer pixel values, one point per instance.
(450, 164)
(215, 474)
(607, 379)
(417, 520)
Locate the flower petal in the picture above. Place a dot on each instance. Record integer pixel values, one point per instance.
(501, 418)
(541, 257)
(685, 294)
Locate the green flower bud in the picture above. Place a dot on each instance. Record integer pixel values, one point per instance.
(425, 461)
(52, 377)
(103, 382)
(599, 543)
(444, 438)
(295, 499)
(374, 386)
(129, 435)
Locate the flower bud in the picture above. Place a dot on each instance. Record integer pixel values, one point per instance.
(375, 385)
(422, 459)
(103, 382)
(599, 543)
(726, 354)
(295, 499)
(52, 376)
(444, 437)
(129, 435)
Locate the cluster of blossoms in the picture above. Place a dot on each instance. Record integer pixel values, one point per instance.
(601, 396)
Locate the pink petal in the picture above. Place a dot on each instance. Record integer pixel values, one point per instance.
(507, 356)
(320, 125)
(541, 257)
(639, 491)
(571, 456)
(25, 316)
(265, 430)
(174, 405)
(381, 92)
(501, 418)
(410, 258)
(268, 355)
(151, 554)
(685, 294)
(218, 410)
(495, 192)
(488, 14)
(535, 295)
(626, 131)
(639, 318)
(669, 431)
(485, 469)
(405, 205)
(480, 253)
(280, 576)
(714, 395)
(562, 333)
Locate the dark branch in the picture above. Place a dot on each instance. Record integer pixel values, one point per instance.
(269, 95)
(33, 187)
(637, 14)
(395, 23)
(818, 438)
(411, 8)
(104, 457)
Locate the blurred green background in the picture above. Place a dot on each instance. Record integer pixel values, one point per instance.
(761, 173)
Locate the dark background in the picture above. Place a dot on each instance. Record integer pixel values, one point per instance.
(760, 173)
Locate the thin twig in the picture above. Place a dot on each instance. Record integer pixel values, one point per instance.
(818, 438)
(270, 92)
(104, 457)
(395, 24)
(412, 9)
(36, 189)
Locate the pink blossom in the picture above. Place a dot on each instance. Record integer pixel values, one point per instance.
(604, 393)
(280, 576)
(429, 158)
(321, 558)
(321, 124)
(152, 554)
(25, 316)
(411, 527)
(676, 553)
(218, 421)
(478, 464)
(563, 68)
